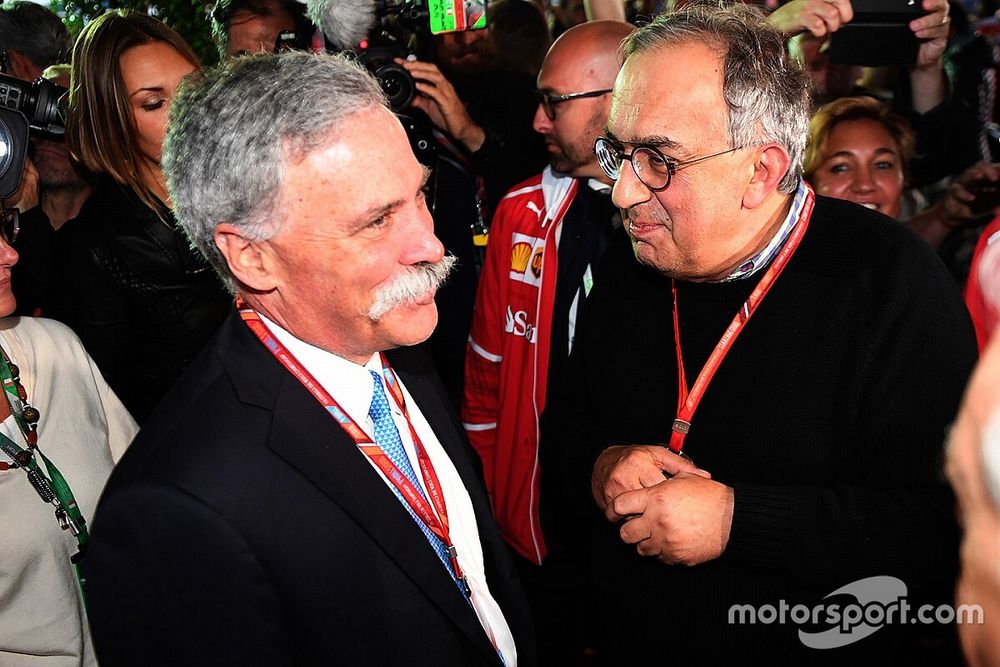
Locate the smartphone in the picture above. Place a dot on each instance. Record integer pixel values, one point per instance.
(879, 34)
(987, 196)
(289, 40)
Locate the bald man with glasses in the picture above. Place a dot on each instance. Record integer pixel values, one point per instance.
(759, 392)
(545, 242)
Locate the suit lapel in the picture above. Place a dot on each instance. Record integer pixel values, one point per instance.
(307, 437)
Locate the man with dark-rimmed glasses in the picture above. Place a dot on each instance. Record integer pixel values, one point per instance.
(758, 403)
(545, 242)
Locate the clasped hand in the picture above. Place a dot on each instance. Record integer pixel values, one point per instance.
(669, 508)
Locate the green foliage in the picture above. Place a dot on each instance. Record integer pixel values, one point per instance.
(187, 17)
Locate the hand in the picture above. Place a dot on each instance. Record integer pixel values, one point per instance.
(933, 29)
(26, 197)
(955, 201)
(819, 17)
(685, 519)
(624, 468)
(437, 98)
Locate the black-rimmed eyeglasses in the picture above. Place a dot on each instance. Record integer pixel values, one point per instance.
(651, 166)
(549, 102)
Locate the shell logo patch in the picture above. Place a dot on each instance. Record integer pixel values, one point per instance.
(526, 254)
(519, 255)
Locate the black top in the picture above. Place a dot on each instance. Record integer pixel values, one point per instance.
(141, 299)
(827, 417)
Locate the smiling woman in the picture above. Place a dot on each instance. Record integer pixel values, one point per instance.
(859, 150)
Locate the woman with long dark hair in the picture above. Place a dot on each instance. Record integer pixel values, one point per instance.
(142, 301)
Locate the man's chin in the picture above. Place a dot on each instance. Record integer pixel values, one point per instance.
(410, 323)
(566, 167)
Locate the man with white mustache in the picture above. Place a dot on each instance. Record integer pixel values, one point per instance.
(306, 483)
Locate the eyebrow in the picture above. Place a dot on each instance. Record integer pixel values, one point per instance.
(655, 140)
(370, 214)
(153, 89)
(883, 150)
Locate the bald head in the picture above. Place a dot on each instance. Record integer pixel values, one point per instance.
(591, 50)
(577, 77)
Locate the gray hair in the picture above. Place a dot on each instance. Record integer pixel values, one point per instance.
(766, 91)
(233, 128)
(35, 32)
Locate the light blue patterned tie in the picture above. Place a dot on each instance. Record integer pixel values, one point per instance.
(388, 440)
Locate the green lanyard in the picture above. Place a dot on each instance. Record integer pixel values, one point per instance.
(51, 488)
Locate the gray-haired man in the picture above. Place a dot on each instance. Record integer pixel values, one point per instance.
(806, 352)
(303, 496)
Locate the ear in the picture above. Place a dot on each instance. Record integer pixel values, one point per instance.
(768, 170)
(248, 260)
(21, 67)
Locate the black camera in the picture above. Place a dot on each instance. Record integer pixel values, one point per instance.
(26, 107)
(400, 25)
(380, 31)
(397, 84)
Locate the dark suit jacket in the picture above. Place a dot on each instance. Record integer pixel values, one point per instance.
(243, 527)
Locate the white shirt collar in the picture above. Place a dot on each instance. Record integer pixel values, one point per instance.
(350, 384)
(764, 257)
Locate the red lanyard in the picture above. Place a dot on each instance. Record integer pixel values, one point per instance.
(687, 402)
(435, 519)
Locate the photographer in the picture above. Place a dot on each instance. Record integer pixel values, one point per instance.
(470, 93)
(253, 26)
(481, 111)
(53, 187)
(62, 185)
(32, 38)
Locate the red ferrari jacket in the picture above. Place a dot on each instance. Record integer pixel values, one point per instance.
(507, 361)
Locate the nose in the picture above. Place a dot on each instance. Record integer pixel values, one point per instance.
(629, 190)
(863, 181)
(423, 245)
(541, 122)
(8, 256)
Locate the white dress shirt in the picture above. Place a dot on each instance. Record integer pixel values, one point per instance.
(351, 386)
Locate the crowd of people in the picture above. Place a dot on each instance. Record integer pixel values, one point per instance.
(588, 353)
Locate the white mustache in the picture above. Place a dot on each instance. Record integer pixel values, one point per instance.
(416, 281)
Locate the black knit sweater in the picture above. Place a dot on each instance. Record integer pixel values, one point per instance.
(827, 417)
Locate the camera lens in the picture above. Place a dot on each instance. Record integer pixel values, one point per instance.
(6, 147)
(397, 84)
(13, 149)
